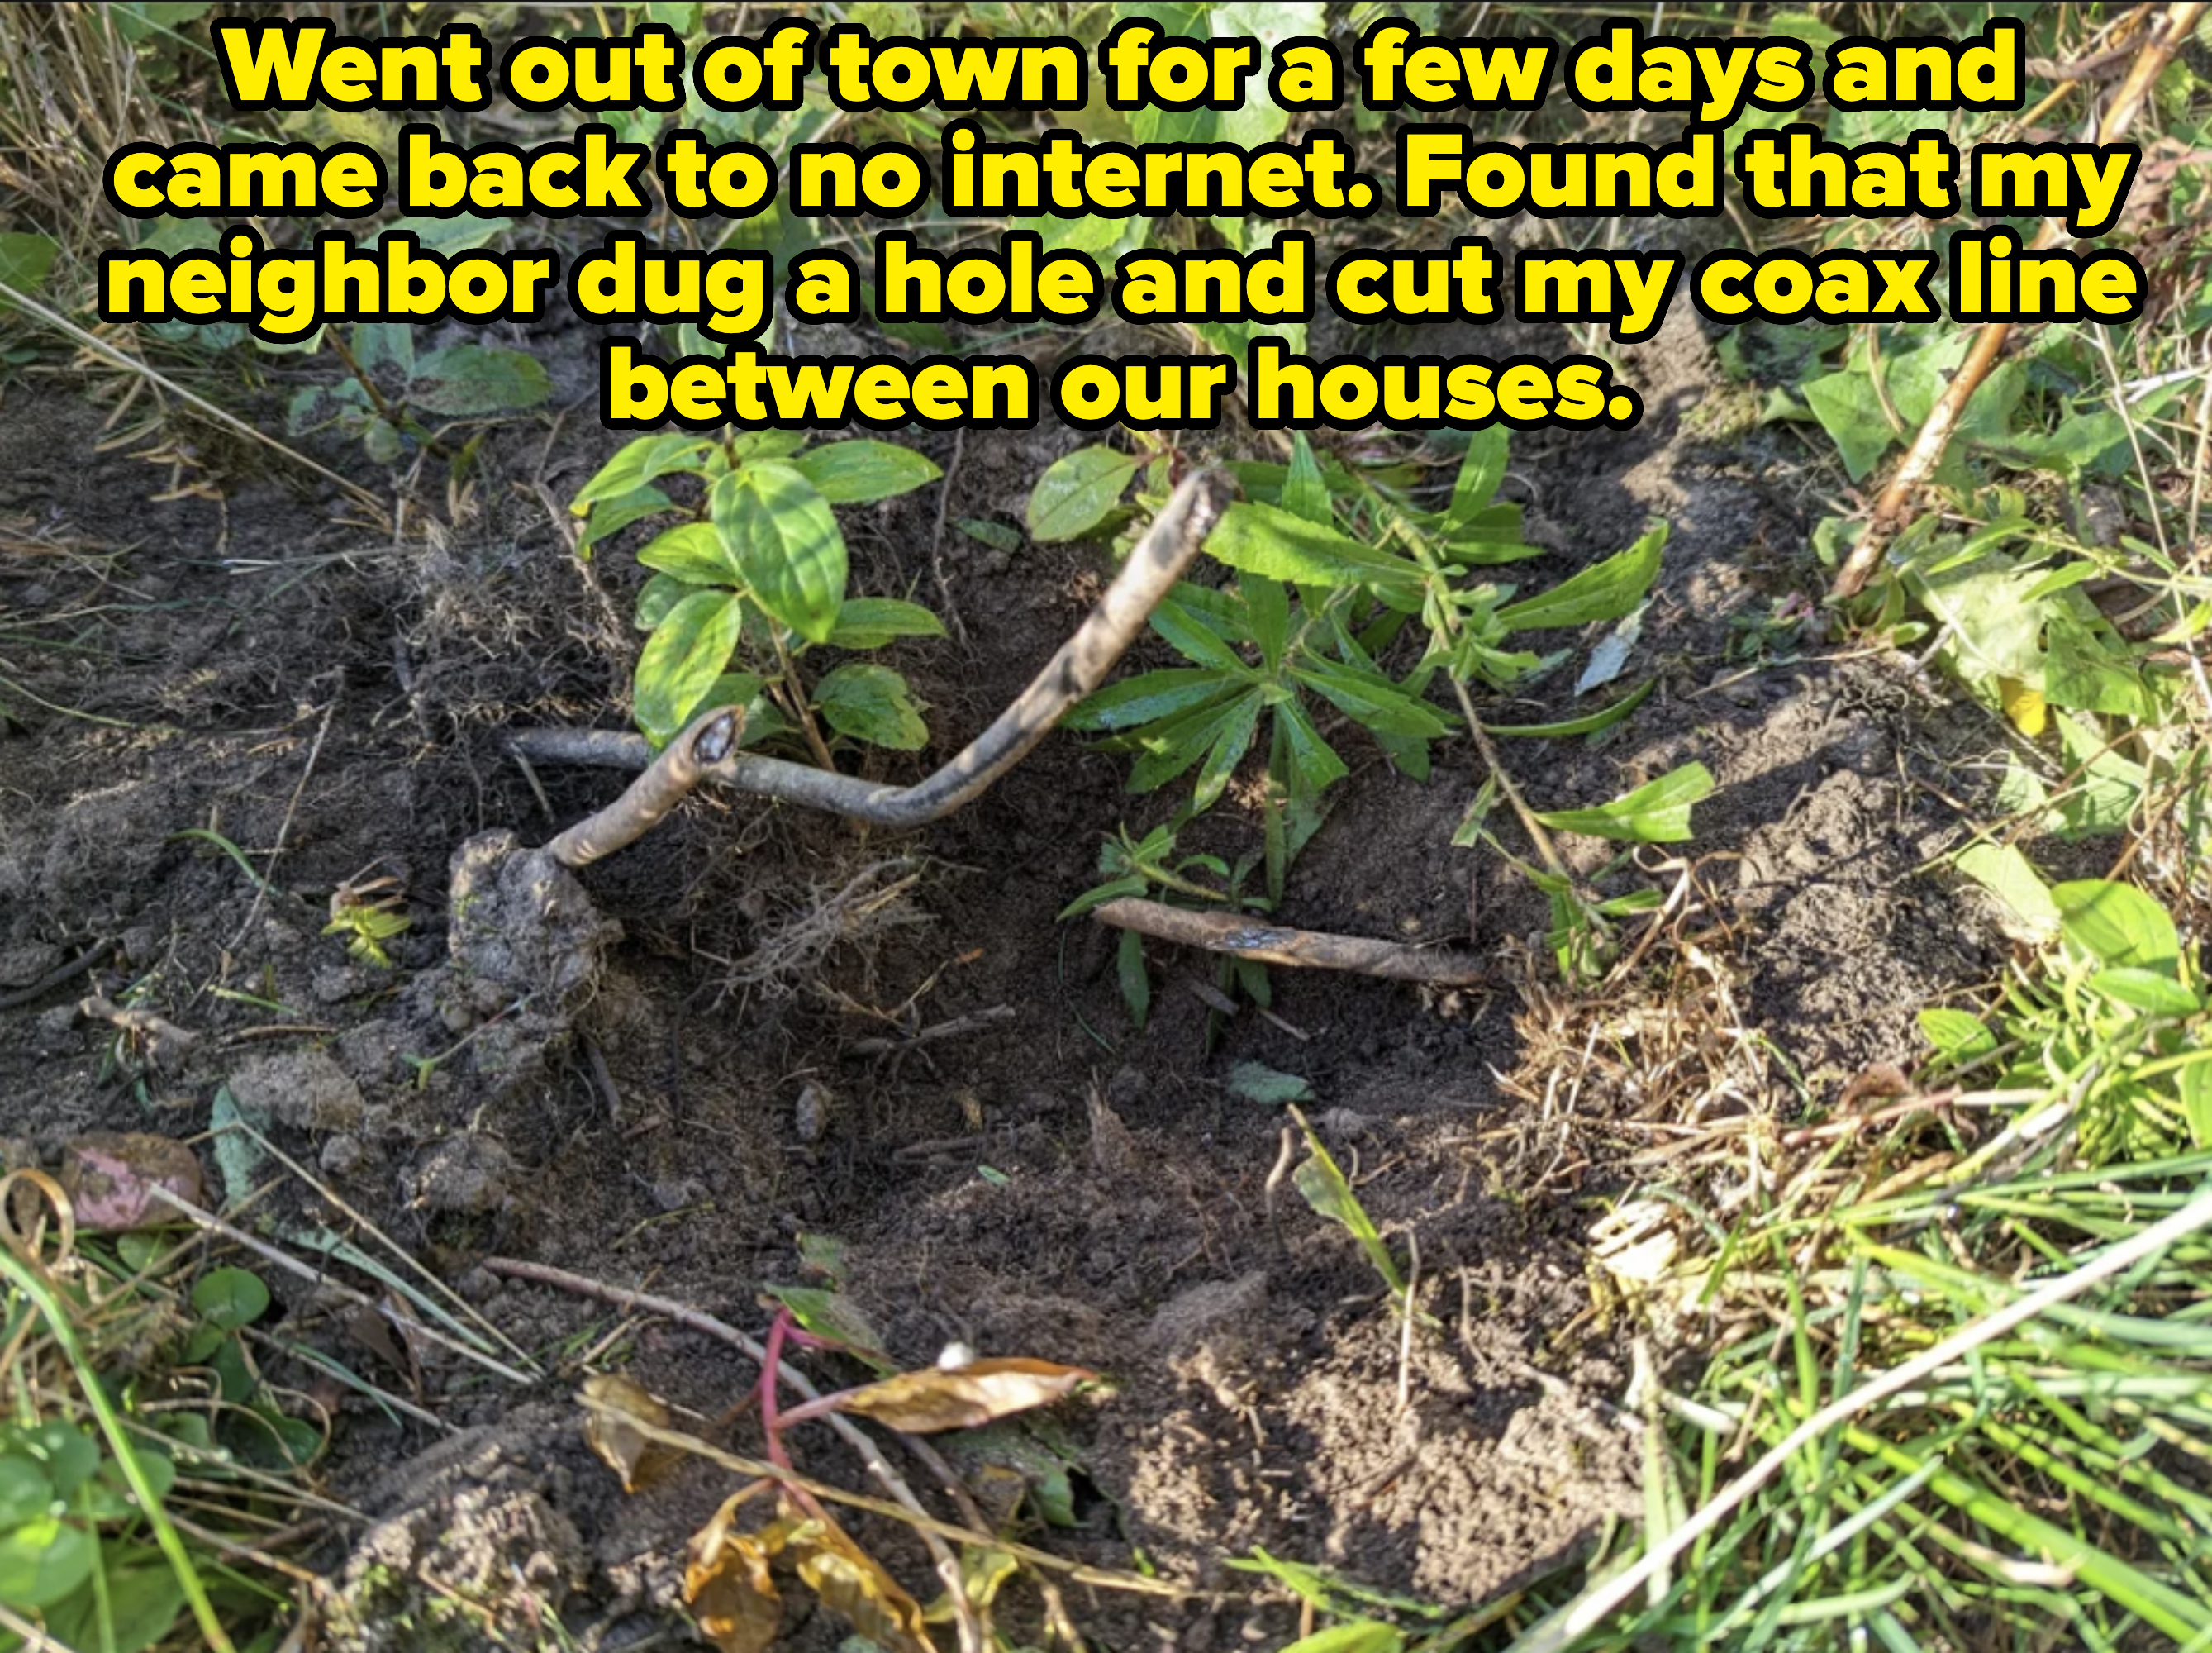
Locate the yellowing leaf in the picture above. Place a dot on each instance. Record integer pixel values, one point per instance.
(2024, 706)
(852, 1583)
(611, 1402)
(929, 1401)
(727, 1582)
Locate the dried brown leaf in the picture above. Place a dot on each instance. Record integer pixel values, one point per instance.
(726, 1582)
(609, 1400)
(854, 1584)
(933, 1400)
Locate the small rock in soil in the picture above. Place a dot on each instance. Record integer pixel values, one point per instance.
(342, 1156)
(109, 1176)
(304, 1088)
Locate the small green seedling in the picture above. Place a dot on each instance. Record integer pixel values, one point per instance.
(754, 577)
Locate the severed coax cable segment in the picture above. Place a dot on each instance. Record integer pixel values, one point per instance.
(1155, 563)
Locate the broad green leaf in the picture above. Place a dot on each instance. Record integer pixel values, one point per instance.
(1958, 1035)
(65, 1452)
(658, 596)
(872, 622)
(1305, 493)
(1582, 725)
(1264, 540)
(681, 660)
(787, 544)
(637, 463)
(1852, 414)
(1657, 812)
(230, 1298)
(2117, 924)
(467, 380)
(693, 554)
(2145, 990)
(997, 535)
(1076, 492)
(2195, 1083)
(1605, 591)
(2020, 889)
(860, 473)
(830, 1313)
(1996, 631)
(2107, 786)
(25, 259)
(143, 1597)
(2083, 671)
(871, 703)
(25, 1492)
(43, 1560)
(612, 516)
(1257, 1082)
(1138, 700)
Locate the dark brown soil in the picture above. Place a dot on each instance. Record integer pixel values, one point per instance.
(328, 692)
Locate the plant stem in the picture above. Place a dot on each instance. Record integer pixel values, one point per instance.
(793, 693)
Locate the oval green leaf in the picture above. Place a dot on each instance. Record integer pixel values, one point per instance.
(871, 703)
(682, 659)
(787, 544)
(1076, 492)
(693, 553)
(859, 472)
(43, 1561)
(230, 1298)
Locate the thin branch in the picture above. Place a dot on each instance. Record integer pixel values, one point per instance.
(2167, 36)
(1155, 564)
(1243, 937)
(666, 783)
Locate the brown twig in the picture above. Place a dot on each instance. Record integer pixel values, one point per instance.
(910, 1510)
(667, 782)
(1155, 564)
(1243, 937)
(162, 1038)
(2166, 37)
(951, 1030)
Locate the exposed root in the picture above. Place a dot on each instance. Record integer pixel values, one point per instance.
(1155, 564)
(1268, 944)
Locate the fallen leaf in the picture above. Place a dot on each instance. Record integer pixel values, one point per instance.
(109, 1176)
(727, 1582)
(928, 1402)
(853, 1584)
(611, 1403)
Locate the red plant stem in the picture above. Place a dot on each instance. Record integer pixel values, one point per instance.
(771, 1369)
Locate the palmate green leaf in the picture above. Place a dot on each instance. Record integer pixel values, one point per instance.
(871, 703)
(1171, 745)
(861, 472)
(786, 543)
(1605, 591)
(637, 463)
(1264, 540)
(682, 659)
(1139, 699)
(1076, 492)
(693, 554)
(872, 622)
(1657, 812)
(2119, 924)
(467, 380)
